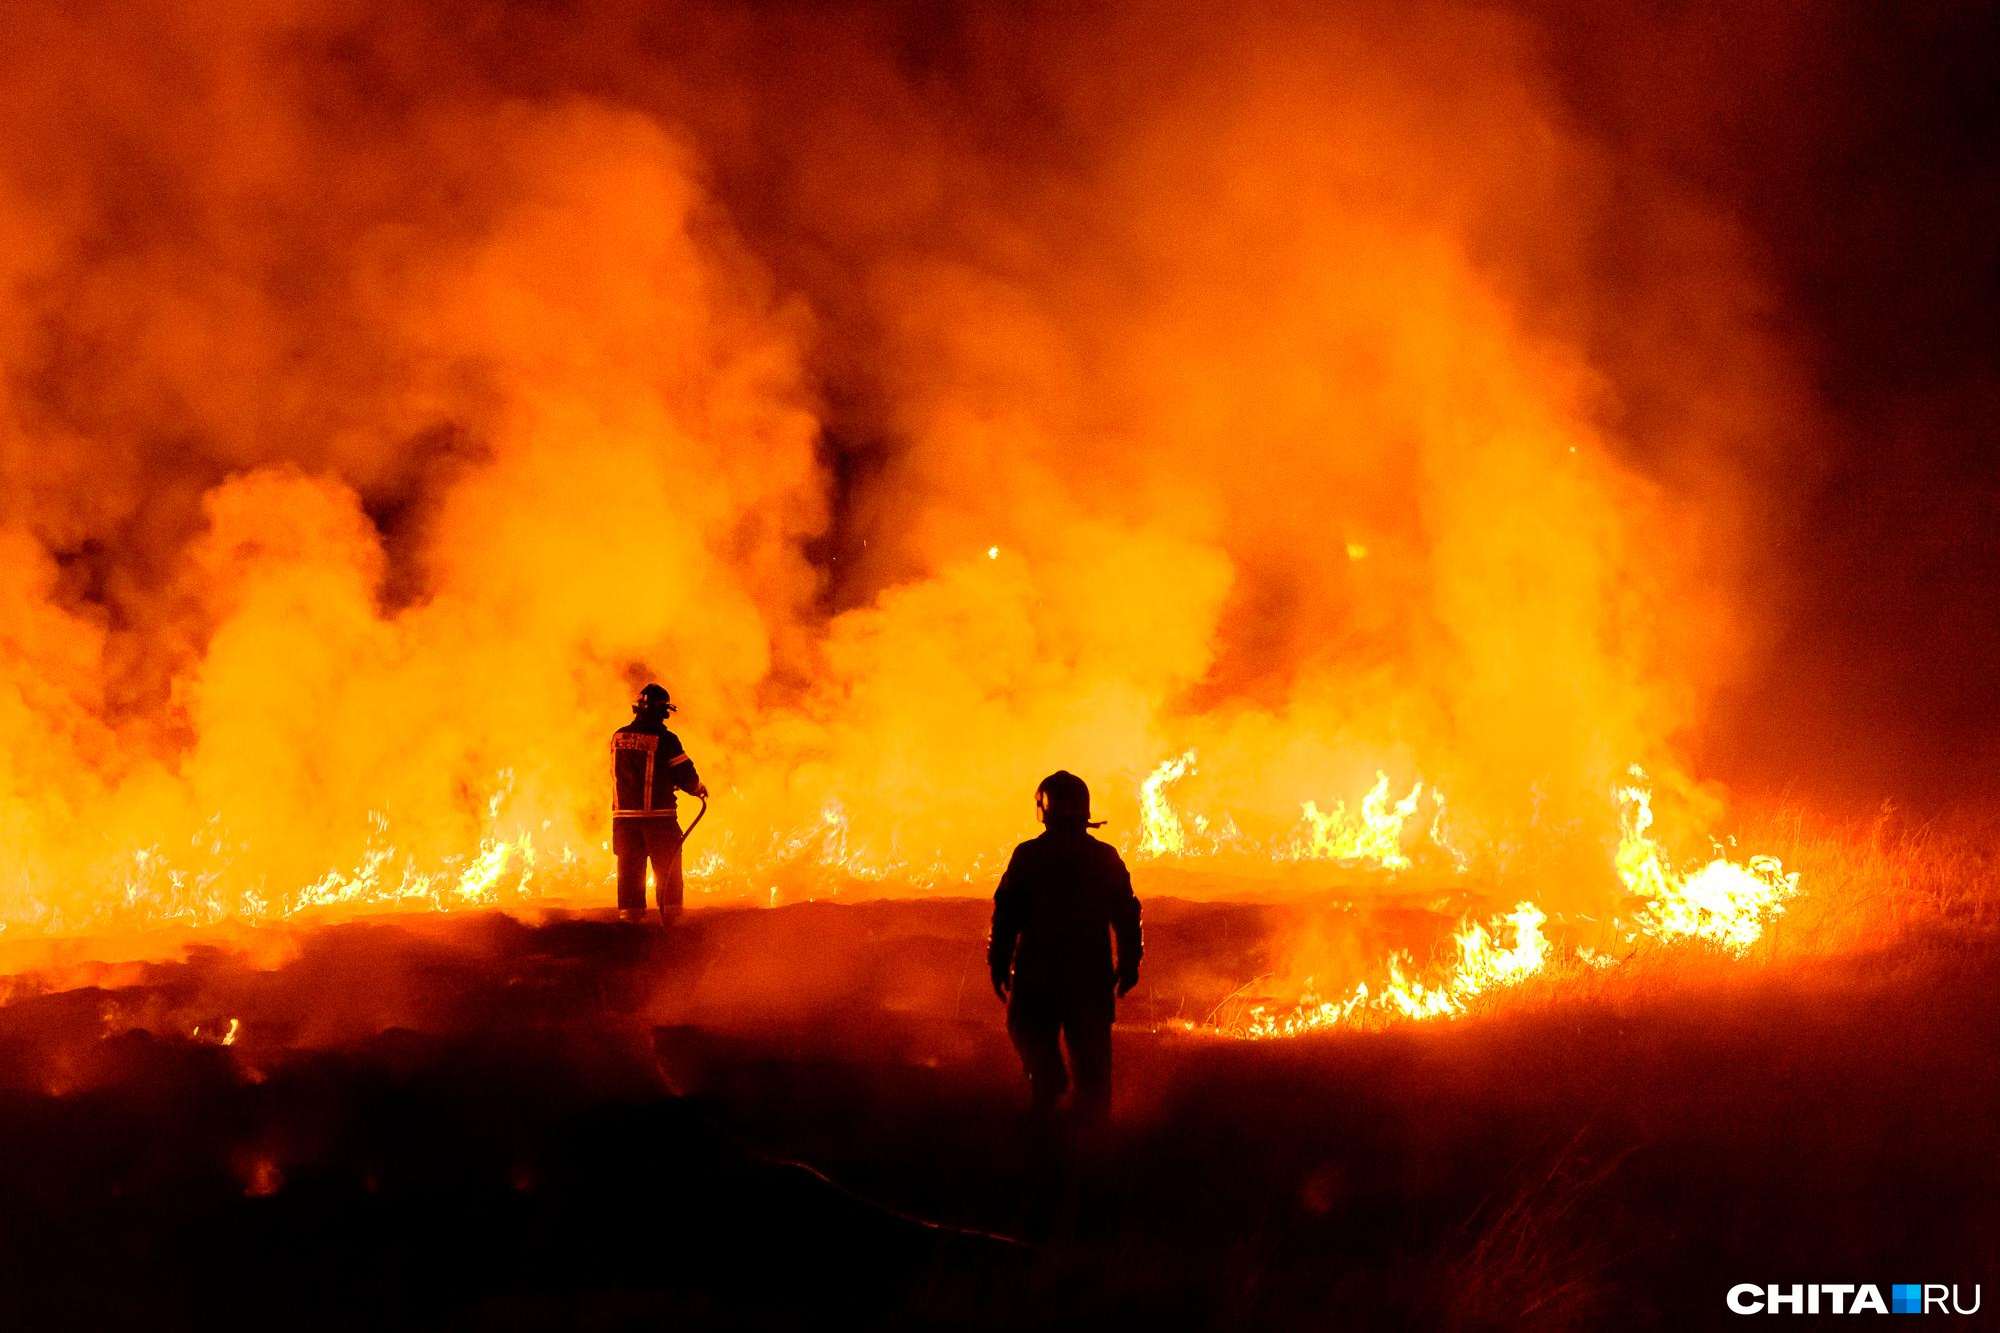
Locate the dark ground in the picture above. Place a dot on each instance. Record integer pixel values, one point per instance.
(470, 1122)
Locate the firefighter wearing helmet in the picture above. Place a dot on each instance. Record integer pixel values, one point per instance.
(1063, 900)
(648, 765)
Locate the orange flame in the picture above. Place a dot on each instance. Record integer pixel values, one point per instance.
(1722, 903)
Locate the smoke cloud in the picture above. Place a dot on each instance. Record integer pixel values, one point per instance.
(931, 398)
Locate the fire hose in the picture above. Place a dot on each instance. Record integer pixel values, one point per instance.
(681, 850)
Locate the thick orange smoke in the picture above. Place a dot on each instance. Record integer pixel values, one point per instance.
(930, 402)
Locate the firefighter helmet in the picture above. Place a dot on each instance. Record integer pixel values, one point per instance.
(654, 696)
(1064, 799)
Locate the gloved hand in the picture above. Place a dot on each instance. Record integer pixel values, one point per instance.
(1126, 981)
(1002, 983)
(701, 790)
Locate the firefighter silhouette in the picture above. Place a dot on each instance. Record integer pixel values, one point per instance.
(648, 765)
(1063, 898)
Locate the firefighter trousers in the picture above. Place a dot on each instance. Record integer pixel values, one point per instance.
(637, 842)
(1041, 1030)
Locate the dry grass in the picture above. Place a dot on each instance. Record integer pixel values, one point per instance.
(1870, 881)
(1535, 1258)
(1907, 892)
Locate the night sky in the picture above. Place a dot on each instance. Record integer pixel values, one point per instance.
(1862, 156)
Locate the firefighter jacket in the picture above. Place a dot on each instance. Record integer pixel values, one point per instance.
(647, 766)
(1065, 895)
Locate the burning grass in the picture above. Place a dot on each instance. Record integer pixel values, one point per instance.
(472, 1120)
(1874, 880)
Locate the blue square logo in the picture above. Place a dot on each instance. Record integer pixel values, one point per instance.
(1906, 1298)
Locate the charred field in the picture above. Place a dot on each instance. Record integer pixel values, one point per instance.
(783, 1117)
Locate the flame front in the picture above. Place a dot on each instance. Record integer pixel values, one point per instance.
(1722, 903)
(1370, 834)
